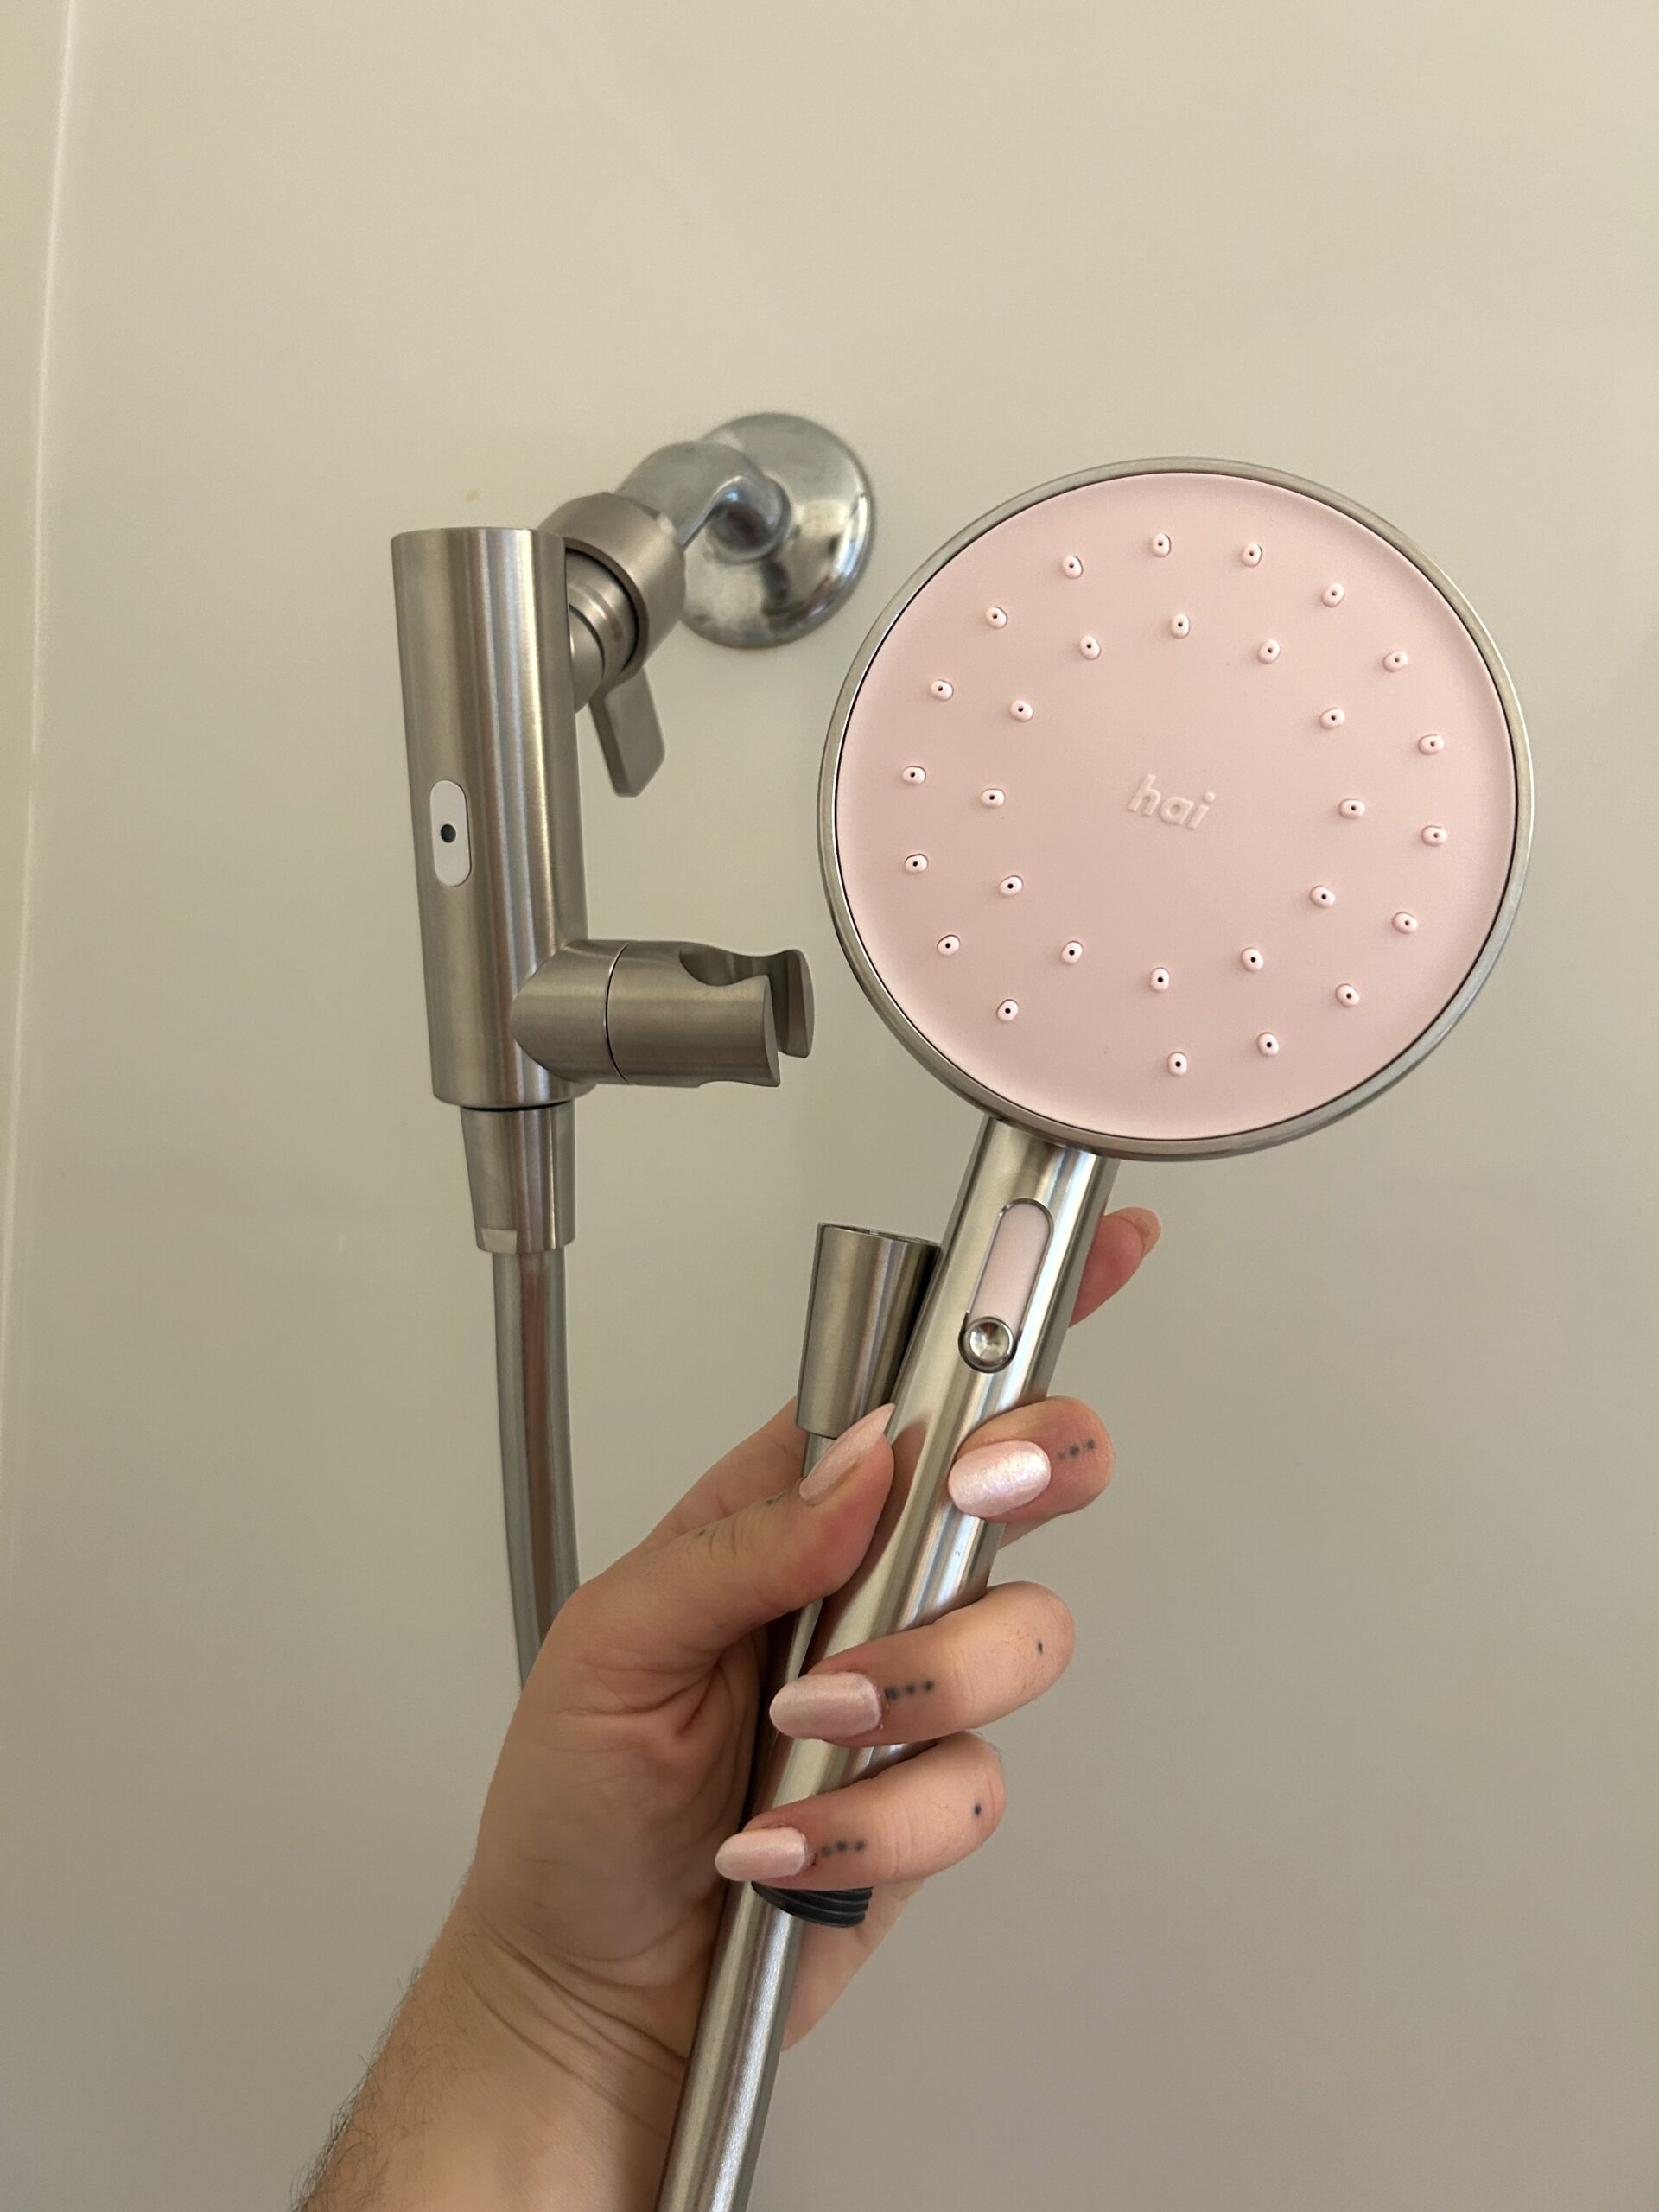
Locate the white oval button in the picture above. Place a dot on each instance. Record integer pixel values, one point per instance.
(990, 1335)
(451, 845)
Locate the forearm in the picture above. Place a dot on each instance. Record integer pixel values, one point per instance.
(492, 2094)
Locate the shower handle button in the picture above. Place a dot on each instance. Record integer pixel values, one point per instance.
(988, 1344)
(990, 1334)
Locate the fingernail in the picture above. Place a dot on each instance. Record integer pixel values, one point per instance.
(827, 1706)
(993, 1478)
(762, 1854)
(1146, 1225)
(843, 1455)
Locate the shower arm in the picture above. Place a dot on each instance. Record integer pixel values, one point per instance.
(752, 536)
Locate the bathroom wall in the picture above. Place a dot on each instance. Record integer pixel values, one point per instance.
(1328, 1884)
(31, 91)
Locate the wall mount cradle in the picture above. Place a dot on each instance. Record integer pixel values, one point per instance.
(752, 536)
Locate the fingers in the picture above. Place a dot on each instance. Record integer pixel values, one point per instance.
(770, 1459)
(1037, 1462)
(960, 1671)
(910, 1821)
(759, 1467)
(1031, 1464)
(714, 1568)
(658, 1619)
(1122, 1241)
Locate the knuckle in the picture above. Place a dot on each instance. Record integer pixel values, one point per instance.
(575, 1625)
(904, 1842)
(1074, 1437)
(720, 1540)
(738, 1550)
(582, 1640)
(1089, 1443)
(959, 1678)
(933, 1670)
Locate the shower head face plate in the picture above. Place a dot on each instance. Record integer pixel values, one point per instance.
(1178, 808)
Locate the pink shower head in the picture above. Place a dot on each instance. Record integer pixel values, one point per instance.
(1175, 807)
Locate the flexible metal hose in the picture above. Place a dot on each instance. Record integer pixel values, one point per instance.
(533, 1393)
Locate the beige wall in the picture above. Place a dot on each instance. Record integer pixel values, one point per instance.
(31, 100)
(1329, 1881)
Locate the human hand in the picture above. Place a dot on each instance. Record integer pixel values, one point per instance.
(623, 1771)
(579, 1947)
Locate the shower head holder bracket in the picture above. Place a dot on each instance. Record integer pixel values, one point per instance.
(752, 536)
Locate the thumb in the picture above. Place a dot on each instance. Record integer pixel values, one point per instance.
(661, 1617)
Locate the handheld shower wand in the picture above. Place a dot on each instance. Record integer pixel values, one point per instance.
(752, 536)
(1172, 810)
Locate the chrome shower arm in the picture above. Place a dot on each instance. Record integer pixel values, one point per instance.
(690, 486)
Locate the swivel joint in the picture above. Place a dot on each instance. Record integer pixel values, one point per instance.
(664, 1014)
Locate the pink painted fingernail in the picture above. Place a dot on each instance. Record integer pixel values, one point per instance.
(827, 1706)
(762, 1854)
(843, 1455)
(995, 1478)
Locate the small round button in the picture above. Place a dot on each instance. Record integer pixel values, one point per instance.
(988, 1344)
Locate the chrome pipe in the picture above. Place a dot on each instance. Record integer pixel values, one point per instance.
(694, 485)
(733, 2062)
(484, 626)
(532, 1393)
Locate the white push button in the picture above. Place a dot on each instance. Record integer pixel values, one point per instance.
(991, 1336)
(452, 844)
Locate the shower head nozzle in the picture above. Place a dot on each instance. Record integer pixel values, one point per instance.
(1176, 808)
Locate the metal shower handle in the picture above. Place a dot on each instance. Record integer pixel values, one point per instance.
(925, 1557)
(866, 1291)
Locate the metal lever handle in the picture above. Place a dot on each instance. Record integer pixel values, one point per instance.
(630, 736)
(669, 1014)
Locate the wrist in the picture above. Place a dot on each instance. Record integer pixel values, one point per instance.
(620, 2079)
(498, 2092)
